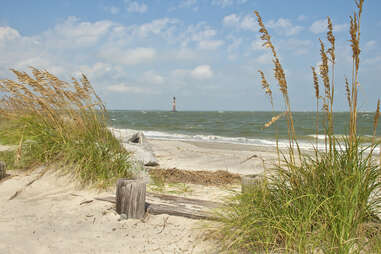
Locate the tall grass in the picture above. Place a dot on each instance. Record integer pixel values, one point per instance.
(326, 203)
(52, 121)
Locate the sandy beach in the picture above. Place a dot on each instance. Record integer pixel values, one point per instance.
(50, 214)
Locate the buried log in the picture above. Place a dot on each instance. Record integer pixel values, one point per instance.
(179, 211)
(130, 195)
(249, 181)
(130, 198)
(184, 201)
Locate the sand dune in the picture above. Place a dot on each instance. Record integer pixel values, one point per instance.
(52, 215)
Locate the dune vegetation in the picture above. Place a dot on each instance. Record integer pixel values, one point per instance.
(56, 122)
(325, 203)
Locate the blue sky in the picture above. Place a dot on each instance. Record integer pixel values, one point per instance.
(139, 54)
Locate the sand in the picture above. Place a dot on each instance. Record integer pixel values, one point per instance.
(213, 156)
(52, 215)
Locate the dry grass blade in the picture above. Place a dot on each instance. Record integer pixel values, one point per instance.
(274, 119)
(348, 92)
(316, 82)
(265, 84)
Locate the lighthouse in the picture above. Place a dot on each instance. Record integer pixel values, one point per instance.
(174, 104)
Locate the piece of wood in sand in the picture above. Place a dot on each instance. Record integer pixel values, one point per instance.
(183, 200)
(249, 181)
(131, 198)
(176, 206)
(179, 211)
(2, 170)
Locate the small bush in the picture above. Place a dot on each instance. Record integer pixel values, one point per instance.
(52, 121)
(328, 203)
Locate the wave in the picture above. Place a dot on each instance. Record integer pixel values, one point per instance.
(123, 135)
(307, 144)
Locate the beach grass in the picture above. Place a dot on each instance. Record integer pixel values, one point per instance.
(325, 203)
(56, 122)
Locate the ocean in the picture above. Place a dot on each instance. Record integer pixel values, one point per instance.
(234, 127)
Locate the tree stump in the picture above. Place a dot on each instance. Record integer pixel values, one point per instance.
(2, 170)
(131, 198)
(249, 181)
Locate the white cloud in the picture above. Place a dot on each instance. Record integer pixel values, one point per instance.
(299, 47)
(247, 22)
(285, 27)
(193, 4)
(179, 73)
(201, 34)
(202, 72)
(210, 44)
(8, 33)
(153, 78)
(73, 33)
(112, 9)
(233, 47)
(236, 42)
(340, 27)
(96, 70)
(265, 58)
(231, 20)
(321, 26)
(124, 88)
(188, 4)
(133, 6)
(128, 56)
(156, 27)
(226, 3)
(257, 44)
(185, 54)
(370, 44)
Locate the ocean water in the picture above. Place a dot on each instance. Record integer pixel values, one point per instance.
(233, 127)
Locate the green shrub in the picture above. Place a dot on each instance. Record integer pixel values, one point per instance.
(327, 203)
(52, 121)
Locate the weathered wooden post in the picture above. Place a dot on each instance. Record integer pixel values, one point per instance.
(131, 198)
(248, 181)
(2, 170)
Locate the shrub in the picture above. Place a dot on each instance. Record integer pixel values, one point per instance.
(57, 122)
(326, 203)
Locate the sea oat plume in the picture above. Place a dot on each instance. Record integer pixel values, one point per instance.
(316, 82)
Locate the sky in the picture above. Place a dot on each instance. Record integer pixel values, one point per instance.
(207, 53)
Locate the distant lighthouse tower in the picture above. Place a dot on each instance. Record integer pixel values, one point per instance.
(174, 104)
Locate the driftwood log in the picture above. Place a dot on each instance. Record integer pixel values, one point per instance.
(2, 170)
(179, 211)
(131, 198)
(249, 181)
(174, 205)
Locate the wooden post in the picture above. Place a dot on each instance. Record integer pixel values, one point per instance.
(2, 170)
(131, 198)
(248, 181)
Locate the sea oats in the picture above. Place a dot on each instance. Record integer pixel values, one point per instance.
(274, 119)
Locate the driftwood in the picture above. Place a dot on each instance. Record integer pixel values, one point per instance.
(248, 181)
(179, 211)
(177, 206)
(182, 200)
(130, 198)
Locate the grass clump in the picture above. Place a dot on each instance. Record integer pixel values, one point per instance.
(326, 203)
(52, 121)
